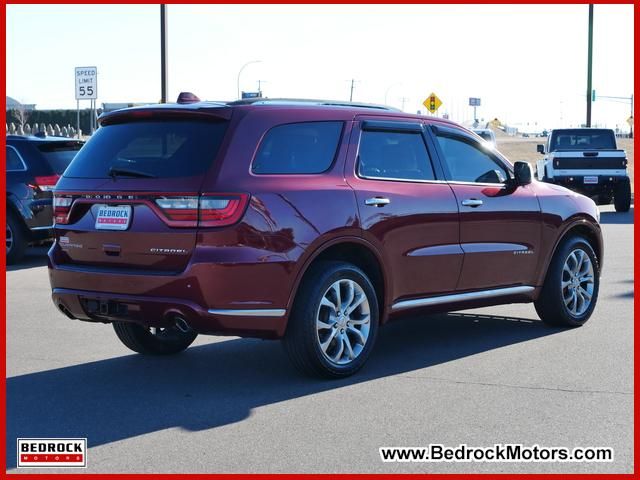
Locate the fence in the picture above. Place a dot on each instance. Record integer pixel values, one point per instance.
(47, 129)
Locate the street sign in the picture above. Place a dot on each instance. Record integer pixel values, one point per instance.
(86, 83)
(474, 102)
(432, 103)
(630, 121)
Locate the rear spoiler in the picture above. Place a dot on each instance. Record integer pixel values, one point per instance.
(212, 112)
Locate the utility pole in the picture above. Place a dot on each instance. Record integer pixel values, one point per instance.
(589, 65)
(164, 87)
(351, 94)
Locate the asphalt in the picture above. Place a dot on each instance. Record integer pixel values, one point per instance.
(480, 377)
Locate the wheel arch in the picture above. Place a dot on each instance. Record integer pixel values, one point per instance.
(354, 250)
(584, 228)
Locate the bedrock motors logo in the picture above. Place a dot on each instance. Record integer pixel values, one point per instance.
(52, 452)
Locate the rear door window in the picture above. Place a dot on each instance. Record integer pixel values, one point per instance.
(163, 149)
(298, 148)
(394, 156)
(59, 154)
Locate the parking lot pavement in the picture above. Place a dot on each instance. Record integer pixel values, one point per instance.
(493, 375)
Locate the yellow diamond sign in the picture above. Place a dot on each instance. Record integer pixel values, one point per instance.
(432, 103)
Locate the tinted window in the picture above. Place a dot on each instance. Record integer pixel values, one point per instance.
(59, 154)
(394, 155)
(13, 160)
(467, 161)
(162, 149)
(298, 148)
(583, 140)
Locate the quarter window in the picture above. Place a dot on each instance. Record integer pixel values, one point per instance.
(468, 162)
(298, 148)
(394, 155)
(13, 160)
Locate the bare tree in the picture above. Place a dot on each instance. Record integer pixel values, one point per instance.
(21, 114)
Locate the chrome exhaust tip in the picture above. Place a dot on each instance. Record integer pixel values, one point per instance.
(182, 325)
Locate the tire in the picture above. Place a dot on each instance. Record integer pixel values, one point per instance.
(551, 305)
(622, 196)
(16, 239)
(345, 350)
(166, 341)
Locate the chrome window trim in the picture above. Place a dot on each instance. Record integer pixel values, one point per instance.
(391, 179)
(21, 159)
(461, 297)
(482, 184)
(258, 312)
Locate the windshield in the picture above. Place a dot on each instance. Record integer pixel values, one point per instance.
(582, 140)
(163, 149)
(59, 154)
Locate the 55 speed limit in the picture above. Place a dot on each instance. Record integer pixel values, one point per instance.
(86, 83)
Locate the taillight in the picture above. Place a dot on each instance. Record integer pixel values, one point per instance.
(61, 207)
(45, 183)
(209, 210)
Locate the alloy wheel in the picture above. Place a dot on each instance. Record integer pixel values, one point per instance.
(9, 238)
(343, 322)
(577, 282)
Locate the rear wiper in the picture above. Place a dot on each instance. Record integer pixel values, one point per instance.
(127, 172)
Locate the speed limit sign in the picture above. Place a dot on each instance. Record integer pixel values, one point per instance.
(86, 83)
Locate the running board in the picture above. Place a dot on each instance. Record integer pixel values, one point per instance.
(460, 297)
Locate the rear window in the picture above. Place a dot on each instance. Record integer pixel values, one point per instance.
(298, 148)
(59, 154)
(583, 140)
(14, 162)
(151, 148)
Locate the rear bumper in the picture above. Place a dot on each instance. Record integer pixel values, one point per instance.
(213, 298)
(161, 312)
(606, 183)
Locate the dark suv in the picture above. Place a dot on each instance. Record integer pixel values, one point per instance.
(311, 221)
(34, 164)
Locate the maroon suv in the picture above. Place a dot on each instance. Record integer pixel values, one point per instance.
(315, 222)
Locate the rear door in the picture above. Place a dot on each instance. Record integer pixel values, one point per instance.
(131, 197)
(500, 223)
(406, 208)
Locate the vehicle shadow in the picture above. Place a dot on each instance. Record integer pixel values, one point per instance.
(623, 218)
(217, 384)
(34, 257)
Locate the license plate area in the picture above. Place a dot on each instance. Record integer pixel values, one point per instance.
(113, 217)
(591, 180)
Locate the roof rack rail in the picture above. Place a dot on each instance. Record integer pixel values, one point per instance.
(306, 101)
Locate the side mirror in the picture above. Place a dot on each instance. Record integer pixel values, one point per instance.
(522, 173)
(540, 148)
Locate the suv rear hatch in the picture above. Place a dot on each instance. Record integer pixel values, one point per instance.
(131, 199)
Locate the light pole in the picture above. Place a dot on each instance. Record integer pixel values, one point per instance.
(164, 87)
(589, 65)
(240, 73)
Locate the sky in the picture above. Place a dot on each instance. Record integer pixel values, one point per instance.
(527, 63)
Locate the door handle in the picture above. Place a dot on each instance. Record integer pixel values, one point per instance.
(377, 201)
(472, 202)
